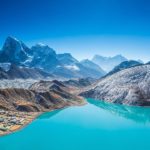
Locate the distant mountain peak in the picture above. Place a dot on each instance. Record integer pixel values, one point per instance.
(14, 51)
(66, 58)
(42, 46)
(11, 40)
(89, 64)
(108, 63)
(65, 55)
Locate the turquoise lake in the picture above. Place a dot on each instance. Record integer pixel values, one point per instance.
(95, 126)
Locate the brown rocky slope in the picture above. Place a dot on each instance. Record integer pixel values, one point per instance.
(41, 96)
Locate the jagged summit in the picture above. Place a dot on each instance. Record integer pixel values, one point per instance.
(14, 51)
(43, 57)
(42, 49)
(66, 58)
(11, 38)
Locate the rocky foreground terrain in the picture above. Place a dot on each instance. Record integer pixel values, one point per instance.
(41, 96)
(130, 86)
(28, 86)
(19, 106)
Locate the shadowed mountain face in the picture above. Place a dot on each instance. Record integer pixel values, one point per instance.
(137, 114)
(108, 63)
(14, 51)
(129, 86)
(16, 72)
(45, 58)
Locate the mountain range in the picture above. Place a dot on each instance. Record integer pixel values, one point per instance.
(127, 82)
(37, 79)
(45, 58)
(108, 63)
(41, 61)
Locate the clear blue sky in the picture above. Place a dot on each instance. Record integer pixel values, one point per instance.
(82, 27)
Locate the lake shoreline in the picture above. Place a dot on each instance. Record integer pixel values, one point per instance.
(22, 126)
(35, 115)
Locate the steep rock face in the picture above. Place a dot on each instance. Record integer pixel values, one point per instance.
(14, 51)
(41, 96)
(129, 86)
(68, 66)
(124, 65)
(108, 63)
(3, 74)
(44, 57)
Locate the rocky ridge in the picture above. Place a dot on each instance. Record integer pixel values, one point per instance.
(41, 96)
(129, 86)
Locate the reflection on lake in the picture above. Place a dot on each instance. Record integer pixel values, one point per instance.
(138, 114)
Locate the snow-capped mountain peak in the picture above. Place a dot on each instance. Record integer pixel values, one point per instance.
(14, 51)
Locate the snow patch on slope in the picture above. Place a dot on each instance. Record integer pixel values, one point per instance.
(5, 66)
(72, 67)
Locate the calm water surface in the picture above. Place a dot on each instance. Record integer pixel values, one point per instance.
(95, 126)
